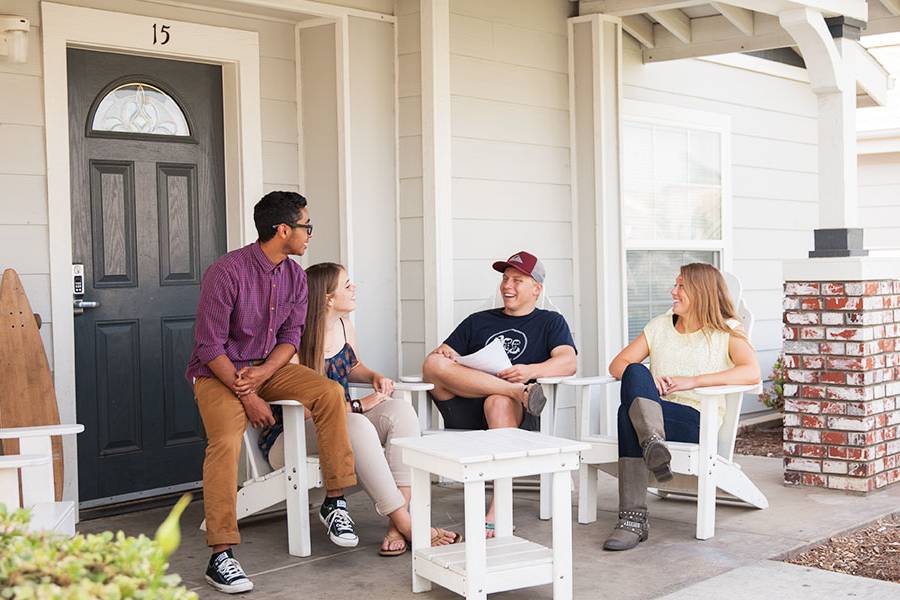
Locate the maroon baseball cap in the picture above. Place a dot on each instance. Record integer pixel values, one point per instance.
(526, 263)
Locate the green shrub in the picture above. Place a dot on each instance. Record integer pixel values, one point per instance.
(107, 566)
(773, 395)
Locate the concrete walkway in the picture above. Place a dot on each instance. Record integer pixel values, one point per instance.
(734, 564)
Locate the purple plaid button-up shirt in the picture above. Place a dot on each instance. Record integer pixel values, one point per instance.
(247, 307)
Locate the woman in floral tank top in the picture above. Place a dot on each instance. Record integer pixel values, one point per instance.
(328, 346)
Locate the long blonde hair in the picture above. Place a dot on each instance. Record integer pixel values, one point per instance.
(322, 281)
(710, 301)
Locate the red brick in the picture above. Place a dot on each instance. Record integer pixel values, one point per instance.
(833, 408)
(813, 362)
(810, 304)
(793, 478)
(833, 289)
(803, 376)
(802, 318)
(848, 364)
(801, 288)
(812, 451)
(837, 452)
(802, 435)
(846, 393)
(812, 422)
(832, 348)
(839, 377)
(834, 437)
(812, 391)
(790, 333)
(843, 303)
(812, 479)
(812, 333)
(861, 470)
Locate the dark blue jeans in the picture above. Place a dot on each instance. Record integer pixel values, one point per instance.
(682, 423)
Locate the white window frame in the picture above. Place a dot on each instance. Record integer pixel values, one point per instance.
(651, 113)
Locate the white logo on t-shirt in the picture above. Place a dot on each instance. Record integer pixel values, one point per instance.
(514, 342)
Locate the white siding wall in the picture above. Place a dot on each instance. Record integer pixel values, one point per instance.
(411, 251)
(774, 185)
(879, 199)
(510, 123)
(23, 189)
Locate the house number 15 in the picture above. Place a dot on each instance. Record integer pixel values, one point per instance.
(161, 36)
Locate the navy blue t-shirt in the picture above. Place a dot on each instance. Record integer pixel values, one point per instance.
(527, 340)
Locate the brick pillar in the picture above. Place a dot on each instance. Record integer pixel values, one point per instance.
(841, 413)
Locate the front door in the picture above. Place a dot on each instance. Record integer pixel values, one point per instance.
(148, 218)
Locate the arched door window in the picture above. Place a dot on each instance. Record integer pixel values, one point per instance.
(141, 109)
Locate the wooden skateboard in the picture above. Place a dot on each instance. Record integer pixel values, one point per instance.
(27, 396)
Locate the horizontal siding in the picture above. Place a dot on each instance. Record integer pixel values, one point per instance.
(879, 199)
(411, 214)
(510, 150)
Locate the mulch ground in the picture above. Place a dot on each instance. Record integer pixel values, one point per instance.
(873, 552)
(760, 440)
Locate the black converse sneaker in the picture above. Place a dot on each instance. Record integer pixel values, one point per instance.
(336, 519)
(226, 575)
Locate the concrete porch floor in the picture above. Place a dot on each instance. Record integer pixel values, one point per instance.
(735, 561)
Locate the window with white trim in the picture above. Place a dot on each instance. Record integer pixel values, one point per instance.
(675, 189)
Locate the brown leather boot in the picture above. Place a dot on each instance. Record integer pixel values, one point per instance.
(633, 526)
(647, 417)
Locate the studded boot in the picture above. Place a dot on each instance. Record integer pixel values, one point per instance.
(633, 526)
(647, 417)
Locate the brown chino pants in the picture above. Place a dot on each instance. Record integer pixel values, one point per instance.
(225, 421)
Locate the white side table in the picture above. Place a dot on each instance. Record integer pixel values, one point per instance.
(478, 567)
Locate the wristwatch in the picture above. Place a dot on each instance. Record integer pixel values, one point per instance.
(356, 406)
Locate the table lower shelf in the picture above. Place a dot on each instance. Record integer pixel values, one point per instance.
(512, 563)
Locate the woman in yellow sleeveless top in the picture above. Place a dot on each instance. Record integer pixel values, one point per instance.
(699, 343)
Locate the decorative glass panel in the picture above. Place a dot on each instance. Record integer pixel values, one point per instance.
(140, 108)
(651, 275)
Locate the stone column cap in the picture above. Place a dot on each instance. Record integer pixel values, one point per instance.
(850, 268)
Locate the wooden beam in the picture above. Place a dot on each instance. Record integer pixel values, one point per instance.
(676, 22)
(716, 35)
(870, 74)
(624, 8)
(857, 9)
(892, 6)
(741, 18)
(641, 29)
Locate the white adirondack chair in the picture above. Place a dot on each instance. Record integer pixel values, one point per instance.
(266, 488)
(432, 423)
(35, 465)
(700, 469)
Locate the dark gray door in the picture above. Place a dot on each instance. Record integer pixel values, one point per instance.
(148, 217)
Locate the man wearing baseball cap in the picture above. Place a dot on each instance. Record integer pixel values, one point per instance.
(538, 343)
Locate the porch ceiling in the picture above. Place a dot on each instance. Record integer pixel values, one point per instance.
(674, 29)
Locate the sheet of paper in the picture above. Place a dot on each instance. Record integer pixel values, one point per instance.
(490, 359)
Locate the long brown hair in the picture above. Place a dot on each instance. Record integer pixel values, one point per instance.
(710, 300)
(322, 281)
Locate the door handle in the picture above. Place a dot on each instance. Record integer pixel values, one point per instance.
(82, 304)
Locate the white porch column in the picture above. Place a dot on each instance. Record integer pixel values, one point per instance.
(436, 175)
(595, 93)
(830, 64)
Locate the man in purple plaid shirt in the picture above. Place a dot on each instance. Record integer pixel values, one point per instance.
(249, 322)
